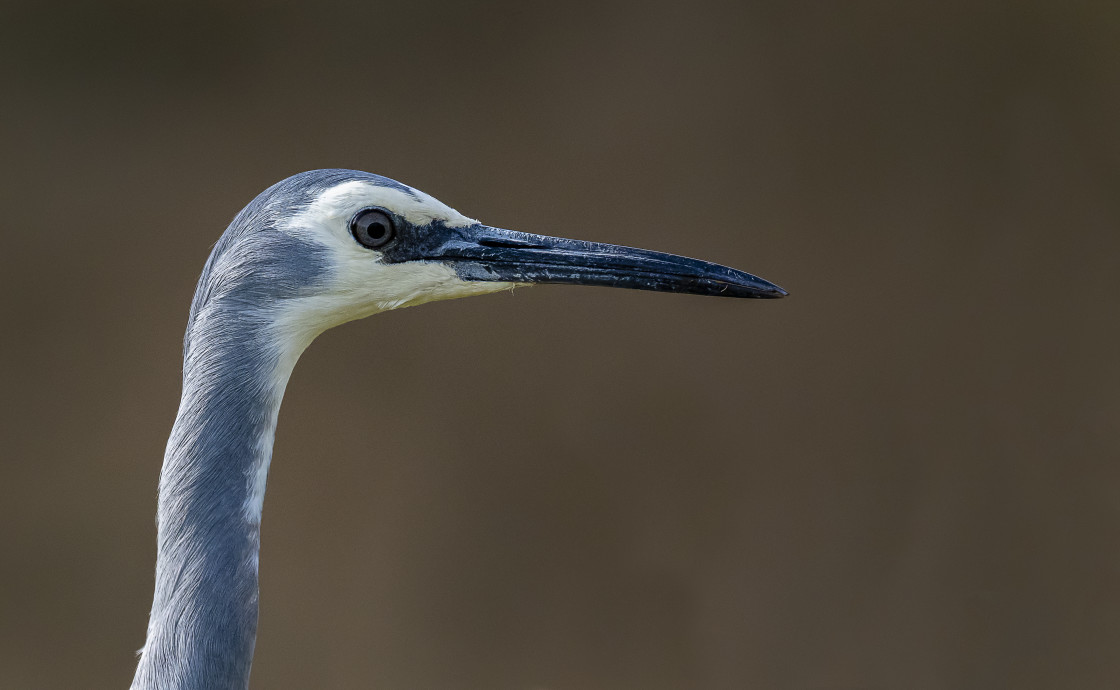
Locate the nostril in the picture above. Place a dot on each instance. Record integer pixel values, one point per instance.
(506, 243)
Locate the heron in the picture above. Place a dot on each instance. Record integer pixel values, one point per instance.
(313, 251)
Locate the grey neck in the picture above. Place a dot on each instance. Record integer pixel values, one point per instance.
(203, 622)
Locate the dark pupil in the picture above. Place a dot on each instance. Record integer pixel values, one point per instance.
(377, 230)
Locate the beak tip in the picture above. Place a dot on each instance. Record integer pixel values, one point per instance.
(769, 290)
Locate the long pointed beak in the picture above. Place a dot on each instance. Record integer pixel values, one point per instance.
(480, 252)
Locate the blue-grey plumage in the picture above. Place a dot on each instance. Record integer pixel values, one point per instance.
(313, 251)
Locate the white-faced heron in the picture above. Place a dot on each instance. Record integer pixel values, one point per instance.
(316, 250)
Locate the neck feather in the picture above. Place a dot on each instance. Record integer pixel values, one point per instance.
(203, 621)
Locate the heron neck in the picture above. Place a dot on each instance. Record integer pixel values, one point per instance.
(203, 622)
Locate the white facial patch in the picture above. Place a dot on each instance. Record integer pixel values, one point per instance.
(336, 206)
(360, 283)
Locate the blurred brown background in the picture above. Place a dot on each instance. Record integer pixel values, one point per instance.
(903, 476)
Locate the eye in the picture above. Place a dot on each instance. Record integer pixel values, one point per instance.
(373, 228)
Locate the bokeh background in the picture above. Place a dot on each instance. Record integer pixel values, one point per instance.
(903, 476)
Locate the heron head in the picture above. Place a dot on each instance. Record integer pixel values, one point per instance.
(329, 246)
